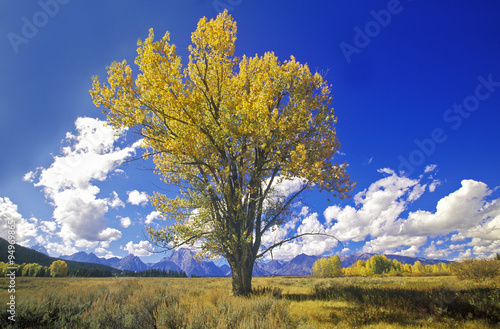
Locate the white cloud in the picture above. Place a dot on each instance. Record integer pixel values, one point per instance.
(61, 248)
(25, 228)
(48, 226)
(377, 219)
(379, 207)
(100, 250)
(461, 210)
(485, 248)
(90, 156)
(410, 252)
(433, 252)
(389, 243)
(430, 168)
(463, 255)
(140, 249)
(29, 176)
(137, 198)
(435, 183)
(152, 216)
(309, 244)
(116, 202)
(283, 188)
(388, 171)
(125, 222)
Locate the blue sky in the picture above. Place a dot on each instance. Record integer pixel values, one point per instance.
(416, 89)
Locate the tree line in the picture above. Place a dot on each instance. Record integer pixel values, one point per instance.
(154, 273)
(376, 265)
(474, 269)
(59, 268)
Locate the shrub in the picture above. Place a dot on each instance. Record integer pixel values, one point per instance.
(476, 269)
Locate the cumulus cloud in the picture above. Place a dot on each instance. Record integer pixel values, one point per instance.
(464, 212)
(137, 198)
(116, 202)
(389, 244)
(461, 210)
(125, 222)
(306, 222)
(100, 250)
(65, 248)
(152, 216)
(26, 229)
(89, 156)
(377, 218)
(48, 226)
(377, 208)
(433, 252)
(140, 249)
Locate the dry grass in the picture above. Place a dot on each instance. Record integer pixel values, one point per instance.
(280, 302)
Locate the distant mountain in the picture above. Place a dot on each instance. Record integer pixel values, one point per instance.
(113, 261)
(131, 263)
(275, 266)
(300, 265)
(412, 260)
(166, 265)
(38, 247)
(128, 263)
(225, 269)
(183, 258)
(27, 255)
(83, 257)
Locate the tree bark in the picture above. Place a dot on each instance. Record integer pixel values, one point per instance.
(242, 277)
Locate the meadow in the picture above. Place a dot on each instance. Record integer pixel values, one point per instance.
(278, 302)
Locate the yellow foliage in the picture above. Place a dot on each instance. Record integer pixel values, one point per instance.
(327, 267)
(225, 130)
(58, 268)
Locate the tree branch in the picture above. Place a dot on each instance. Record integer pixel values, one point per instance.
(293, 238)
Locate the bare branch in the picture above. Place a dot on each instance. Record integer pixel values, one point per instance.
(296, 237)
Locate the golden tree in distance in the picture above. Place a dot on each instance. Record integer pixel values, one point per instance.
(226, 131)
(58, 268)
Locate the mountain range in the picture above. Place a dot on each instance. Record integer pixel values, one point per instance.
(182, 260)
(28, 255)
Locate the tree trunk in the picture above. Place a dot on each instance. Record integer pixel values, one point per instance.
(242, 277)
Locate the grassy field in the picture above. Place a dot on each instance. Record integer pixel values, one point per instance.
(279, 302)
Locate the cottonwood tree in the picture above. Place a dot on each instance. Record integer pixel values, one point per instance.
(327, 267)
(227, 131)
(58, 268)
